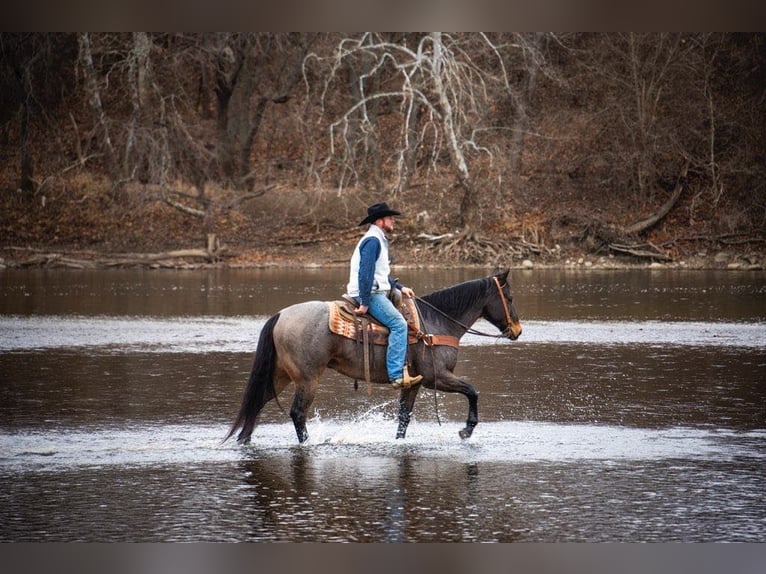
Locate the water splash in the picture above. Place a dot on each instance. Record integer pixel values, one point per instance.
(151, 445)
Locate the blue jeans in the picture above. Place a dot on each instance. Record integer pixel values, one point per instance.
(396, 353)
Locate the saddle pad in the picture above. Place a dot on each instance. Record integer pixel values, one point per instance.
(346, 323)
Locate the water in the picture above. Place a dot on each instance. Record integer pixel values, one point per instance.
(633, 408)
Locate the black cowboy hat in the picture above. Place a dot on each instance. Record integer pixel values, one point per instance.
(378, 211)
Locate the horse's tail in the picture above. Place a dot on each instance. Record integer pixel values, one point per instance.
(260, 387)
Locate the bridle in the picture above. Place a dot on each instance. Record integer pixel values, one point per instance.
(471, 330)
(504, 301)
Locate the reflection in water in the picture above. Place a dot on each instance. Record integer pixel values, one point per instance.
(309, 494)
(302, 496)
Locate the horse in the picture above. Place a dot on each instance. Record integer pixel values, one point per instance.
(296, 345)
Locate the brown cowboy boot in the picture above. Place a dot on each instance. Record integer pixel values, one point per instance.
(406, 381)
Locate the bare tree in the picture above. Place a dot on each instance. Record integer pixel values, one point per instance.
(529, 64)
(145, 107)
(659, 126)
(139, 81)
(30, 65)
(252, 71)
(640, 74)
(440, 88)
(101, 124)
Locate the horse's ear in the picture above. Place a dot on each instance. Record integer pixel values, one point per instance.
(501, 274)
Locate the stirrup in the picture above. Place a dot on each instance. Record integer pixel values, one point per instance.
(406, 381)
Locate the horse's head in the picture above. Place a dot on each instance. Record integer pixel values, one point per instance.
(499, 309)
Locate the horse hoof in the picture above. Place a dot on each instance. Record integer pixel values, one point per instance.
(465, 433)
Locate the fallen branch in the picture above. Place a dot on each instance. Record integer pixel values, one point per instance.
(659, 215)
(80, 163)
(641, 250)
(726, 239)
(248, 196)
(435, 238)
(213, 252)
(144, 258)
(182, 207)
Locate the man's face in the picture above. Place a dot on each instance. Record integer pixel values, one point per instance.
(386, 224)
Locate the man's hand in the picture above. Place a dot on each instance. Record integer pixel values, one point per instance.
(407, 292)
(361, 310)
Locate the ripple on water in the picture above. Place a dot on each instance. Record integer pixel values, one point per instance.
(240, 334)
(504, 441)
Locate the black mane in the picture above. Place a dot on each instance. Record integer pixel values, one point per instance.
(456, 299)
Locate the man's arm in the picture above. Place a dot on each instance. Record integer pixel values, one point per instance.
(406, 291)
(369, 251)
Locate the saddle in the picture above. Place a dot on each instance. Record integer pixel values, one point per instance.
(344, 322)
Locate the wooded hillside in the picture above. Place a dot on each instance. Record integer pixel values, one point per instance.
(498, 147)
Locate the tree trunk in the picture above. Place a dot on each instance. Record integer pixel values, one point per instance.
(237, 124)
(519, 103)
(244, 94)
(372, 149)
(411, 153)
(24, 78)
(101, 126)
(26, 184)
(469, 201)
(244, 177)
(139, 73)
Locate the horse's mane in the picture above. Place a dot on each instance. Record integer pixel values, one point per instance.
(456, 299)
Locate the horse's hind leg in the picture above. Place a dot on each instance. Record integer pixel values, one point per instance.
(304, 396)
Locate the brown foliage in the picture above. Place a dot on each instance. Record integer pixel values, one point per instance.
(568, 140)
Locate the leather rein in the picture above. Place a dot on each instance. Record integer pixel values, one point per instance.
(471, 330)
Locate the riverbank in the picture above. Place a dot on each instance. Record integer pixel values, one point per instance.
(412, 255)
(86, 229)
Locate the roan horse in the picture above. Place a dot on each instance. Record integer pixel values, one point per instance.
(296, 345)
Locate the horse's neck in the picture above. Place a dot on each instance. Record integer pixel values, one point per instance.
(461, 312)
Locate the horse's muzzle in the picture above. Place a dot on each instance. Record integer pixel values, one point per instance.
(513, 331)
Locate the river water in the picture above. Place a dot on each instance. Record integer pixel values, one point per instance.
(633, 408)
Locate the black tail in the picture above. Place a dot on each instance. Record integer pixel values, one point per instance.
(260, 387)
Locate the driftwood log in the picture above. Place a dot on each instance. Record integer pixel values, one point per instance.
(179, 258)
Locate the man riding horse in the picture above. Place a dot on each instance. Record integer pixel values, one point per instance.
(299, 342)
(370, 284)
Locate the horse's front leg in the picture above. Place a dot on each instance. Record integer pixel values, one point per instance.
(449, 383)
(473, 412)
(406, 404)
